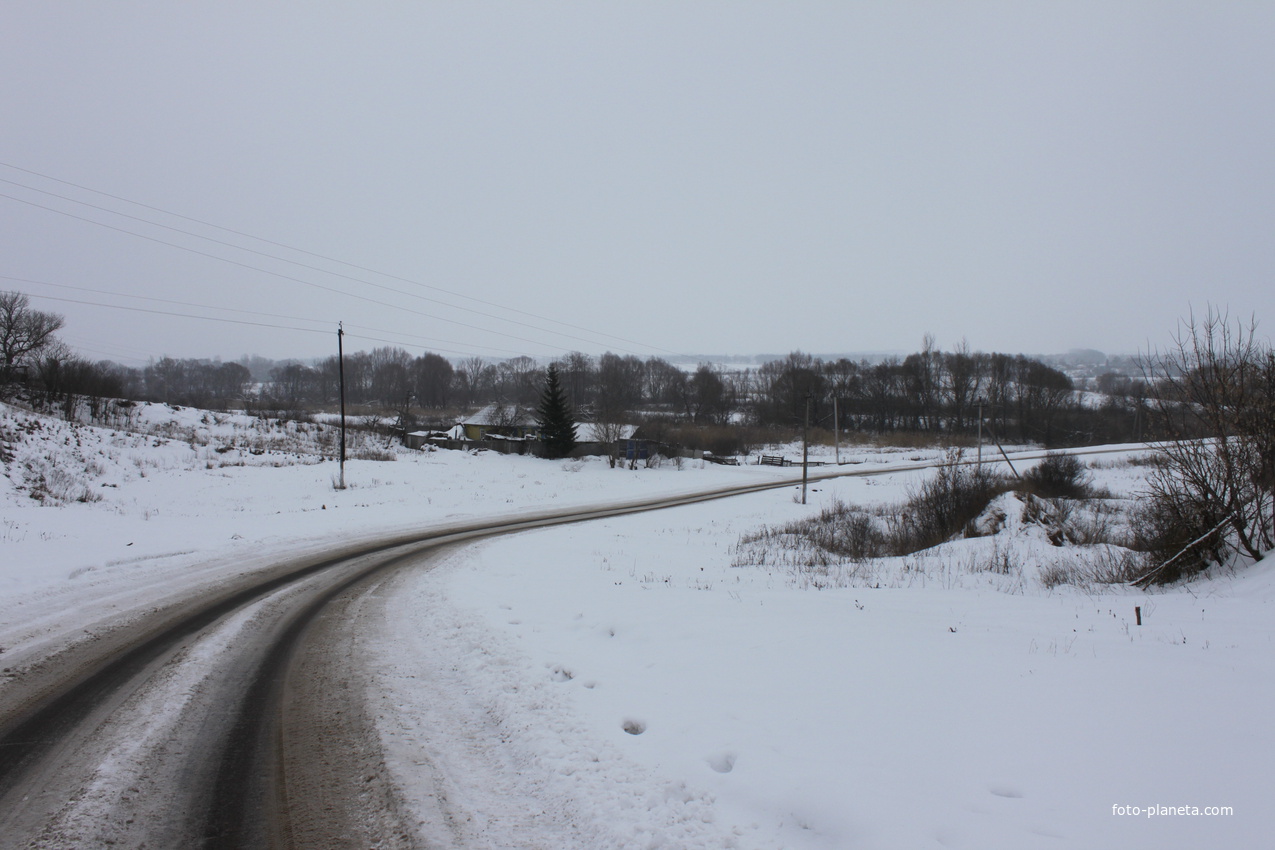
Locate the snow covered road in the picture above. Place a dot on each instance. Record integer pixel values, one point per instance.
(225, 717)
(622, 683)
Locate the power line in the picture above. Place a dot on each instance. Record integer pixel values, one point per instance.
(115, 356)
(161, 300)
(181, 315)
(118, 350)
(311, 267)
(327, 322)
(242, 321)
(275, 257)
(279, 274)
(326, 258)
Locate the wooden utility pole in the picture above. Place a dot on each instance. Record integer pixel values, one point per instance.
(980, 435)
(805, 452)
(836, 429)
(340, 369)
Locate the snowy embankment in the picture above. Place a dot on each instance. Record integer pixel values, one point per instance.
(952, 708)
(622, 683)
(172, 487)
(187, 486)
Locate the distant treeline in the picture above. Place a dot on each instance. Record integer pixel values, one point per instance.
(945, 394)
(931, 391)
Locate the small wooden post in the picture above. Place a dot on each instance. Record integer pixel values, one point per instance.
(1137, 612)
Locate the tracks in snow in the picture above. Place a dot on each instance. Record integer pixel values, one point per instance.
(218, 720)
(230, 718)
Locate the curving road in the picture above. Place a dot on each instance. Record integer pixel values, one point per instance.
(223, 719)
(230, 717)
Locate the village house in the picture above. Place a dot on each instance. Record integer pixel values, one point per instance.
(510, 424)
(505, 421)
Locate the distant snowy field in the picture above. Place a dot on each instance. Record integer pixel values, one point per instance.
(652, 694)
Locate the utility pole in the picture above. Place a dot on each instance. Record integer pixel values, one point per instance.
(340, 369)
(980, 435)
(995, 440)
(836, 429)
(805, 451)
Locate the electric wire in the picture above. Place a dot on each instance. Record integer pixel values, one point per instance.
(284, 276)
(119, 350)
(418, 340)
(307, 266)
(182, 315)
(161, 300)
(115, 356)
(279, 259)
(245, 322)
(321, 257)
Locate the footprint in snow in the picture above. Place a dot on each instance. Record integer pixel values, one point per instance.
(722, 762)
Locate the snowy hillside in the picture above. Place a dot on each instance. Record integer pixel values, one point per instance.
(651, 681)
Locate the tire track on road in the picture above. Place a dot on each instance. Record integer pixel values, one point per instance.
(53, 704)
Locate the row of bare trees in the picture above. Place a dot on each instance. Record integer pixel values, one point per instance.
(31, 354)
(928, 391)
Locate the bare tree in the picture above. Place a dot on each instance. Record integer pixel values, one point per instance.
(291, 384)
(619, 387)
(392, 385)
(1042, 393)
(664, 384)
(24, 332)
(783, 386)
(508, 419)
(433, 374)
(520, 380)
(964, 380)
(706, 397)
(1215, 395)
(577, 373)
(359, 370)
(469, 378)
(882, 394)
(923, 384)
(610, 434)
(165, 379)
(230, 382)
(999, 371)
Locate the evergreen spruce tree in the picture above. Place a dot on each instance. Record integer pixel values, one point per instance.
(557, 421)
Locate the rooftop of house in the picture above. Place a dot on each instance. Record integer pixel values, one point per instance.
(591, 432)
(511, 415)
(501, 414)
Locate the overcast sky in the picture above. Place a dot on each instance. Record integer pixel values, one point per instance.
(649, 178)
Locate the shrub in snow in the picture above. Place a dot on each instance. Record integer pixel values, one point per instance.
(373, 453)
(1059, 573)
(839, 533)
(945, 505)
(53, 484)
(1058, 476)
(1101, 565)
(1213, 497)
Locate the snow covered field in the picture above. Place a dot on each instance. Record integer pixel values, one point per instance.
(648, 692)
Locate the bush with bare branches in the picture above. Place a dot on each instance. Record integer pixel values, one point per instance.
(1215, 492)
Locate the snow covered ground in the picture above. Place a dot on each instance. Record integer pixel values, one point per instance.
(648, 692)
